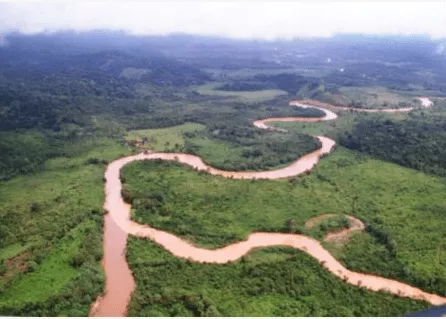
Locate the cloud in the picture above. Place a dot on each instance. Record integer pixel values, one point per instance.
(3, 42)
(237, 20)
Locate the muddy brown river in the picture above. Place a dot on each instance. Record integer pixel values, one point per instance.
(119, 281)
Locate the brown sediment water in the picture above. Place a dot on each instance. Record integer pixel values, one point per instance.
(120, 283)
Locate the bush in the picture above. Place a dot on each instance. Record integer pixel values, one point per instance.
(78, 259)
(3, 268)
(32, 266)
(93, 160)
(334, 223)
(127, 195)
(290, 225)
(35, 207)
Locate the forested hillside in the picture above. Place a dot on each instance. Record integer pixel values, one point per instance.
(52, 101)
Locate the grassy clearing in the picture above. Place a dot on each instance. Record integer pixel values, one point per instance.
(12, 250)
(372, 97)
(243, 96)
(102, 149)
(269, 282)
(164, 138)
(403, 206)
(215, 151)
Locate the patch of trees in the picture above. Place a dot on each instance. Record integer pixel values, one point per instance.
(418, 142)
(25, 152)
(330, 225)
(376, 252)
(96, 161)
(288, 282)
(20, 154)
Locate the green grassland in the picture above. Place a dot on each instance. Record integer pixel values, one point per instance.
(269, 282)
(244, 96)
(164, 139)
(214, 152)
(376, 97)
(401, 206)
(51, 234)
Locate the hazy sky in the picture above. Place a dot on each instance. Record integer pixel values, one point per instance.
(240, 20)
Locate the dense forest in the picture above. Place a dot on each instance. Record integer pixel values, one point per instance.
(272, 282)
(418, 142)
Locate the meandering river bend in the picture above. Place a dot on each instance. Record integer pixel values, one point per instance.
(120, 283)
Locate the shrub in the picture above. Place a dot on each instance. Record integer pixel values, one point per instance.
(127, 195)
(32, 266)
(3, 268)
(290, 225)
(35, 207)
(93, 160)
(78, 259)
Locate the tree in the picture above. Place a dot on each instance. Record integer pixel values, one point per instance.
(32, 266)
(290, 225)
